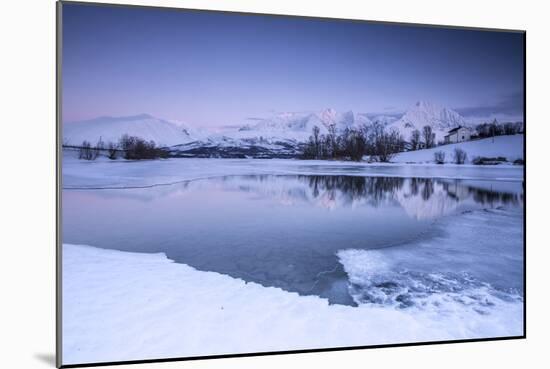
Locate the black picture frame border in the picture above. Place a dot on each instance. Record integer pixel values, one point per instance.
(59, 188)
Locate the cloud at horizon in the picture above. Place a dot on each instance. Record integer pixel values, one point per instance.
(508, 105)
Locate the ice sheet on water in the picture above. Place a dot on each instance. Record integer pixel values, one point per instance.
(441, 291)
(457, 271)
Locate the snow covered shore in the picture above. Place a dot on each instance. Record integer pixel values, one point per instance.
(123, 306)
(104, 173)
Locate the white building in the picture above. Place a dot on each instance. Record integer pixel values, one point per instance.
(458, 134)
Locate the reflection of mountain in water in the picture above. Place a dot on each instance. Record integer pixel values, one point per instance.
(421, 198)
(328, 192)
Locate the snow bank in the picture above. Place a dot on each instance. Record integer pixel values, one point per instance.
(510, 147)
(128, 306)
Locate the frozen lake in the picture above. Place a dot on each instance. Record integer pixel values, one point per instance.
(350, 238)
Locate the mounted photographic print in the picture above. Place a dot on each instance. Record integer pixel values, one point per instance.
(240, 184)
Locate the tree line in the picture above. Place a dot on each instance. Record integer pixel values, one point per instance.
(495, 128)
(129, 147)
(354, 143)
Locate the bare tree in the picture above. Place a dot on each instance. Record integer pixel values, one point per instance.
(415, 139)
(439, 157)
(312, 149)
(483, 130)
(136, 148)
(96, 150)
(429, 136)
(494, 129)
(85, 151)
(356, 145)
(459, 156)
(309, 149)
(325, 147)
(384, 145)
(509, 128)
(112, 151)
(332, 140)
(316, 141)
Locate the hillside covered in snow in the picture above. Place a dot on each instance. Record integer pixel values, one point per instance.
(110, 129)
(509, 147)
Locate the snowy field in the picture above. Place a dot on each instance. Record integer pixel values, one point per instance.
(509, 147)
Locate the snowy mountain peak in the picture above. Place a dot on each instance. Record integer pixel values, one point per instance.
(328, 116)
(299, 126)
(142, 116)
(424, 113)
(424, 104)
(129, 118)
(430, 113)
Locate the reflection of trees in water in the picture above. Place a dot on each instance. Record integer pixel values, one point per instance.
(383, 188)
(270, 185)
(414, 186)
(427, 189)
(424, 186)
(378, 189)
(459, 191)
(487, 197)
(375, 189)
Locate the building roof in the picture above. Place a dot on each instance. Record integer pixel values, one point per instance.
(454, 130)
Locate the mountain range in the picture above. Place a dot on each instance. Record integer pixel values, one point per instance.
(280, 135)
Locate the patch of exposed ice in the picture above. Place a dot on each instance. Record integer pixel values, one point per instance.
(475, 265)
